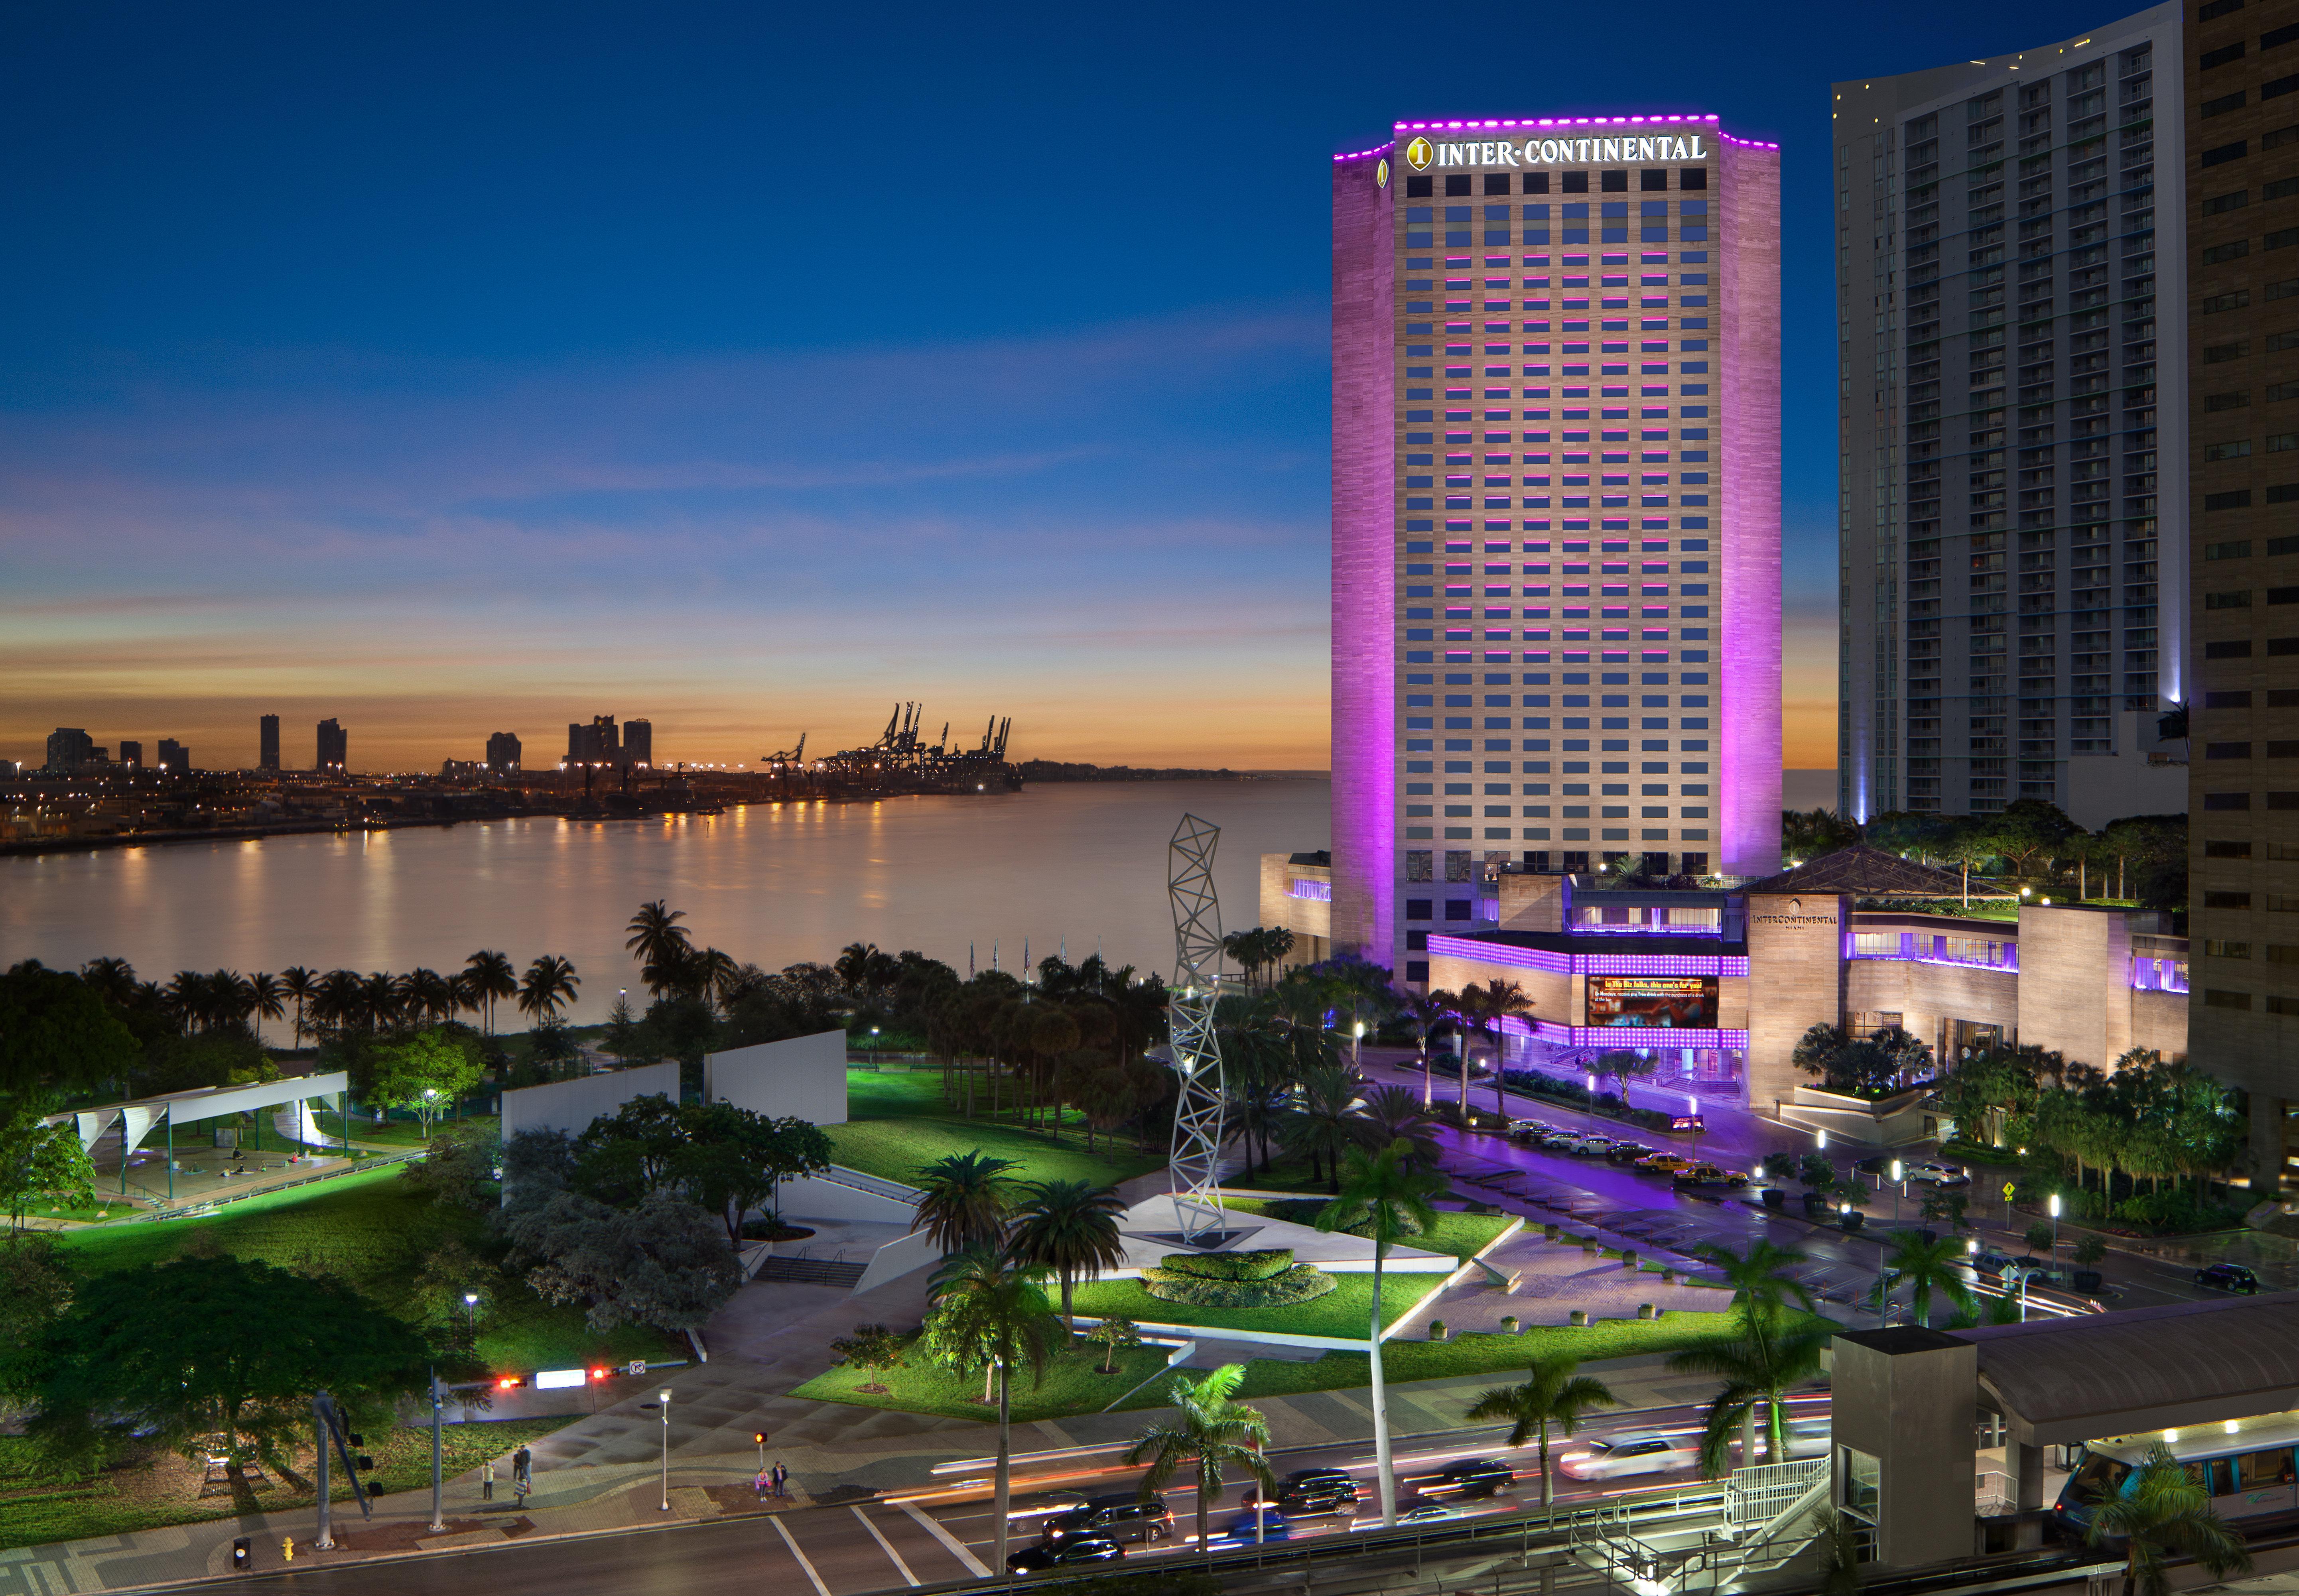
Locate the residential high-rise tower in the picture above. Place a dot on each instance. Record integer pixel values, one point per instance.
(2013, 511)
(267, 742)
(1557, 598)
(334, 745)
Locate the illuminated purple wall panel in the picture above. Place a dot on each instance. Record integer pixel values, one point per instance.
(1749, 429)
(1364, 560)
(1585, 963)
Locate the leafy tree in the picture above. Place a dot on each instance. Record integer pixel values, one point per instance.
(871, 1348)
(985, 1301)
(2027, 831)
(2091, 1249)
(733, 1160)
(679, 1025)
(624, 1037)
(1381, 1195)
(1213, 1430)
(57, 1034)
(1114, 1335)
(964, 1200)
(661, 1264)
(1070, 1228)
(42, 1164)
(183, 1351)
(1324, 1121)
(451, 1271)
(428, 1072)
(536, 1165)
(623, 1157)
(1554, 1395)
(2160, 1512)
(458, 1167)
(36, 1289)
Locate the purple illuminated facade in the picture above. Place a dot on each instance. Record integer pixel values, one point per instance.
(1557, 584)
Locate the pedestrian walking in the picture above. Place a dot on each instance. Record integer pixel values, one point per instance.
(487, 1480)
(522, 1474)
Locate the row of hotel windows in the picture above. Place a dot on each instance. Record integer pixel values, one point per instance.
(1650, 180)
(1461, 865)
(1570, 789)
(1690, 412)
(1572, 767)
(1423, 307)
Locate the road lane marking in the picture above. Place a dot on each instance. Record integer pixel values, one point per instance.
(934, 1529)
(819, 1588)
(883, 1545)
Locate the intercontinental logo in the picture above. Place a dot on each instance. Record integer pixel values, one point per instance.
(1419, 153)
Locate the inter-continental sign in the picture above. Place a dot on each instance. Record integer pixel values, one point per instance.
(1422, 153)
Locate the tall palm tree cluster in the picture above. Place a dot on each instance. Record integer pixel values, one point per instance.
(338, 1002)
(1264, 948)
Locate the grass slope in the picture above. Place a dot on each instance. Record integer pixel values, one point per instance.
(897, 1123)
(1463, 1234)
(375, 1231)
(1074, 1385)
(1344, 1312)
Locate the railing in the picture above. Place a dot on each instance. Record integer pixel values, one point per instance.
(838, 1175)
(1759, 1495)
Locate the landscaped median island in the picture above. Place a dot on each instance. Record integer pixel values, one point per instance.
(898, 1122)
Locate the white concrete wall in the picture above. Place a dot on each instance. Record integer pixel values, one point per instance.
(810, 1197)
(801, 1078)
(570, 1105)
(899, 1257)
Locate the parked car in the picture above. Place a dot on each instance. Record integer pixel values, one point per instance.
(1663, 1163)
(1590, 1144)
(1881, 1164)
(1064, 1554)
(1633, 1452)
(2228, 1277)
(1308, 1492)
(1628, 1151)
(1937, 1174)
(1989, 1260)
(1529, 1127)
(1709, 1174)
(1119, 1517)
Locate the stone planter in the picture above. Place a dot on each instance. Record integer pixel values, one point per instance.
(1775, 1198)
(1629, 1258)
(1437, 1330)
(1579, 1320)
(1644, 1309)
(1668, 1276)
(1548, 1232)
(1852, 1219)
(1816, 1204)
(2087, 1280)
(1509, 1325)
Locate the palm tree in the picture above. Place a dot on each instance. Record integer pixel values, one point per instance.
(964, 1200)
(1069, 1227)
(336, 1001)
(1499, 1000)
(1469, 1019)
(301, 985)
(1325, 1120)
(1422, 1011)
(991, 1304)
(1554, 1395)
(492, 977)
(1392, 1115)
(658, 942)
(1929, 1266)
(1775, 1351)
(1210, 1426)
(1384, 1193)
(381, 1001)
(114, 980)
(551, 981)
(2160, 1510)
(265, 999)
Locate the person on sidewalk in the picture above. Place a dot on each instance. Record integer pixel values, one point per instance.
(781, 1480)
(763, 1483)
(487, 1480)
(522, 1474)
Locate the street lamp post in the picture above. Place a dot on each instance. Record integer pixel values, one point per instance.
(2054, 1205)
(471, 1307)
(1356, 1042)
(666, 1450)
(874, 1047)
(1898, 1170)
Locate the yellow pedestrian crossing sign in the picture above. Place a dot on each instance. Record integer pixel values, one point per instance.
(2008, 1189)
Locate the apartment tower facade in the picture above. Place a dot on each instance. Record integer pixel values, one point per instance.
(2242, 76)
(2013, 518)
(1556, 600)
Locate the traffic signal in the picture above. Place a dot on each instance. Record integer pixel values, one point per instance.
(243, 1554)
(361, 1460)
(355, 1439)
(509, 1382)
(759, 1437)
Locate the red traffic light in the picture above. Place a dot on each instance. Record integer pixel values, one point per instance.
(509, 1382)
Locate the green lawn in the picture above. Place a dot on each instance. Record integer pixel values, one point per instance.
(151, 1492)
(1345, 1312)
(374, 1230)
(393, 1133)
(898, 1123)
(1074, 1385)
(1463, 1234)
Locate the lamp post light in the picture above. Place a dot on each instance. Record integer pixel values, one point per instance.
(666, 1450)
(874, 1047)
(1898, 1186)
(1356, 1042)
(471, 1308)
(2054, 1204)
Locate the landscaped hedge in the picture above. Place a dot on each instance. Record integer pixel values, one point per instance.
(1263, 1280)
(1305, 1214)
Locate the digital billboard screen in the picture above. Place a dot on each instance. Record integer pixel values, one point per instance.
(1677, 1002)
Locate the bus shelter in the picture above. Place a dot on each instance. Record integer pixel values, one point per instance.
(129, 1126)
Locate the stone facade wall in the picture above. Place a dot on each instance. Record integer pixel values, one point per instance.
(1796, 982)
(2075, 982)
(1749, 435)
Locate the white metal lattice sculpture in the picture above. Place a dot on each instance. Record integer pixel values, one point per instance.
(1195, 1052)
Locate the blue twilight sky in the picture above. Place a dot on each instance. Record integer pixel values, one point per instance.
(454, 368)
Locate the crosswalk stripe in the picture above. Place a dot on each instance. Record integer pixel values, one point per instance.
(819, 1588)
(948, 1544)
(883, 1545)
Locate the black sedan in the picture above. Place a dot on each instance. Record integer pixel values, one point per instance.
(2228, 1277)
(1064, 1554)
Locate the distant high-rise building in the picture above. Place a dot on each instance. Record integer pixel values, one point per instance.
(131, 753)
(175, 758)
(68, 748)
(594, 744)
(266, 743)
(503, 752)
(638, 742)
(334, 745)
(2013, 513)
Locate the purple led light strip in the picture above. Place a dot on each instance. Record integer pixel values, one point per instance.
(1588, 964)
(1622, 1036)
(1361, 154)
(1561, 121)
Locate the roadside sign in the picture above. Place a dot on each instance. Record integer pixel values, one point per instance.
(637, 1366)
(2008, 1189)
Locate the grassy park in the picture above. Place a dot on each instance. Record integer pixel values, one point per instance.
(897, 1123)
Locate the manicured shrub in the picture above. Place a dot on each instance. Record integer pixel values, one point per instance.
(1299, 1282)
(1305, 1214)
(1264, 1265)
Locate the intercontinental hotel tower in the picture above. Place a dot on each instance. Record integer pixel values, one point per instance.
(1557, 501)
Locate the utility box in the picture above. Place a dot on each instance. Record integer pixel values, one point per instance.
(1903, 1402)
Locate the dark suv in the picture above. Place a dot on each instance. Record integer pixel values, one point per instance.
(1627, 1151)
(1124, 1516)
(1469, 1477)
(1313, 1491)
